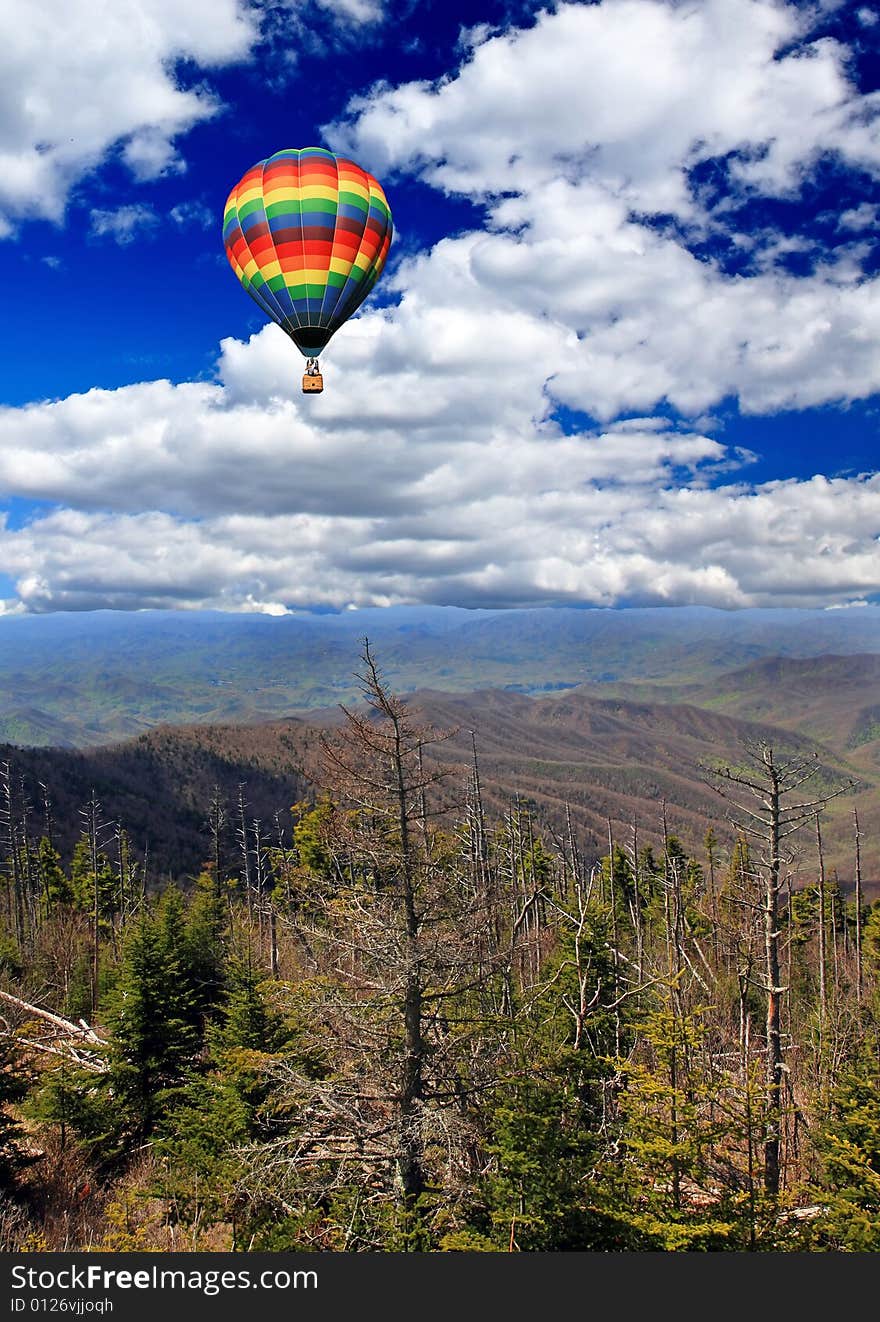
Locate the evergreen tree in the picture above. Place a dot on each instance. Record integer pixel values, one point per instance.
(151, 1018)
(204, 950)
(55, 886)
(13, 1088)
(849, 1147)
(675, 1185)
(83, 880)
(546, 1127)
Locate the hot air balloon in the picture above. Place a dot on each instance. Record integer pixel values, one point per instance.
(307, 233)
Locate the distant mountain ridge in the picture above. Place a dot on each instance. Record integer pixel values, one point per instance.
(84, 680)
(596, 757)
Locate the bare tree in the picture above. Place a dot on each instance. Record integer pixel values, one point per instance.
(768, 811)
(14, 876)
(860, 976)
(94, 830)
(397, 931)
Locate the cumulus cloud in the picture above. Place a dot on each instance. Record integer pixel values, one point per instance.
(243, 494)
(575, 132)
(79, 78)
(632, 94)
(394, 434)
(862, 217)
(786, 543)
(499, 433)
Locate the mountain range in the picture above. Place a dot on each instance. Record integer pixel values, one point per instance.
(600, 714)
(87, 679)
(579, 752)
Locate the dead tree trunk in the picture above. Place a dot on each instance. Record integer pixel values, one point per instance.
(822, 934)
(858, 900)
(769, 818)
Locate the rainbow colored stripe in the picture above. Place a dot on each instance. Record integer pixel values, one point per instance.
(307, 233)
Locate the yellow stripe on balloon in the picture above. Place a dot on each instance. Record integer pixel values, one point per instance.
(283, 193)
(313, 276)
(354, 190)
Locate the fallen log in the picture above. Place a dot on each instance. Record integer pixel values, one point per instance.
(82, 1031)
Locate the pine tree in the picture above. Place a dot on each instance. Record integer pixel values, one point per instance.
(547, 1131)
(55, 886)
(675, 1185)
(849, 1148)
(13, 1088)
(82, 881)
(151, 1019)
(204, 950)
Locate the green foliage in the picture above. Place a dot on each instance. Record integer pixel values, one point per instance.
(871, 936)
(80, 1104)
(151, 1017)
(849, 1147)
(84, 878)
(619, 880)
(310, 838)
(196, 1140)
(204, 950)
(545, 1125)
(11, 964)
(13, 1088)
(250, 1034)
(55, 885)
(78, 1001)
(665, 1188)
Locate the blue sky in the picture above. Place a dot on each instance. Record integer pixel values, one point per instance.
(626, 349)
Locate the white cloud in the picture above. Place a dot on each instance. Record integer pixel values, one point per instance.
(570, 131)
(79, 77)
(434, 468)
(193, 213)
(83, 79)
(630, 93)
(440, 479)
(862, 217)
(123, 224)
(787, 543)
(356, 12)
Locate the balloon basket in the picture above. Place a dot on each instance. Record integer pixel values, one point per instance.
(313, 382)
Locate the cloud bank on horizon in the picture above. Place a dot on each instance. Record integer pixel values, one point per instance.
(534, 411)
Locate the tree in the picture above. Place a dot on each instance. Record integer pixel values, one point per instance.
(203, 953)
(767, 816)
(546, 1123)
(395, 940)
(151, 1017)
(849, 1149)
(13, 1087)
(54, 884)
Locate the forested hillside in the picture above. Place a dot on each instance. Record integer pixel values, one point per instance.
(420, 1021)
(82, 679)
(577, 755)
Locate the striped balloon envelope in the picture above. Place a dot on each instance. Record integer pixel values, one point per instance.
(307, 233)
